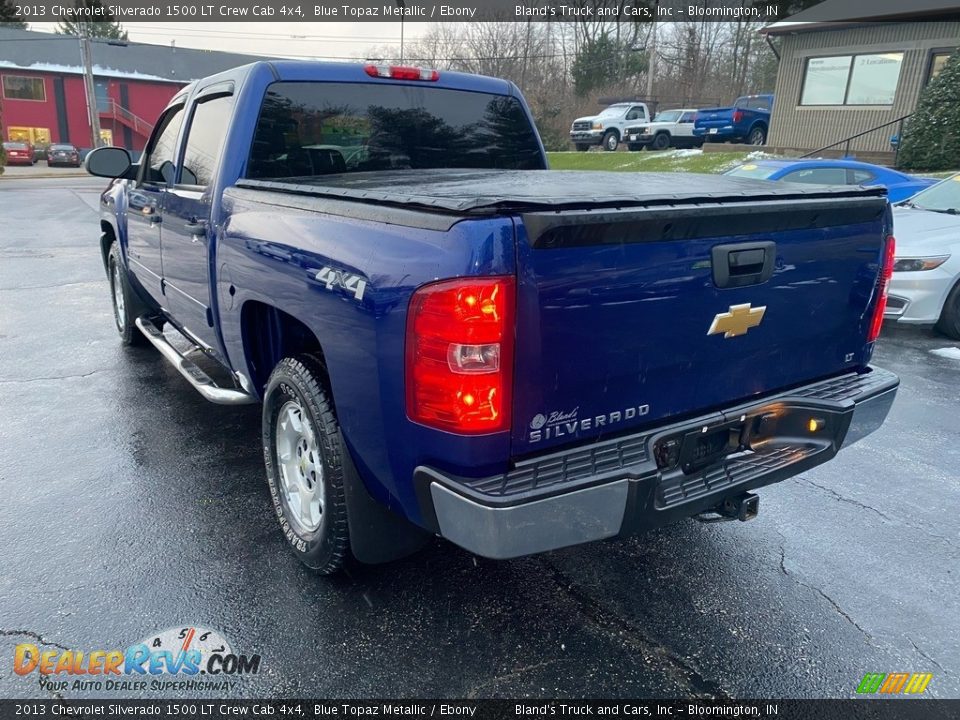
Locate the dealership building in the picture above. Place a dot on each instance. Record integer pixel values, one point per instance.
(42, 98)
(851, 72)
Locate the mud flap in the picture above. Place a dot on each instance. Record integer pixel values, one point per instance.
(377, 534)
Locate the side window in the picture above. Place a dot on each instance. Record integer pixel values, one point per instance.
(159, 161)
(861, 177)
(208, 128)
(636, 113)
(818, 176)
(687, 117)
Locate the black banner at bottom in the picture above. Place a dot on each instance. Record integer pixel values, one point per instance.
(856, 709)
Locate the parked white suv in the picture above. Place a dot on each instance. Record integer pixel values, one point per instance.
(670, 128)
(606, 129)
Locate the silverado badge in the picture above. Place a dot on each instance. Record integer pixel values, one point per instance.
(737, 321)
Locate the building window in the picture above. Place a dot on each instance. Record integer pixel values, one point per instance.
(937, 61)
(851, 79)
(18, 87)
(32, 135)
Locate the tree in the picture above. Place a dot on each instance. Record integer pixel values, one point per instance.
(104, 26)
(603, 60)
(931, 138)
(8, 16)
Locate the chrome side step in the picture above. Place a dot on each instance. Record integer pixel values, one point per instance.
(201, 382)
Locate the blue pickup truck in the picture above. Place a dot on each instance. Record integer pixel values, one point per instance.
(747, 121)
(447, 338)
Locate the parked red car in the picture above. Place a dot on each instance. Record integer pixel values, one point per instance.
(63, 154)
(19, 153)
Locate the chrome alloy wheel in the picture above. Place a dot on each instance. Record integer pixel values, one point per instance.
(301, 469)
(116, 289)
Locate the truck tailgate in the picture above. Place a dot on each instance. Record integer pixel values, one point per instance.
(627, 317)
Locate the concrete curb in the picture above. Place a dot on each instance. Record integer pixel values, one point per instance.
(40, 176)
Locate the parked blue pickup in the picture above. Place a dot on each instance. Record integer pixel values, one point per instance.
(447, 338)
(747, 121)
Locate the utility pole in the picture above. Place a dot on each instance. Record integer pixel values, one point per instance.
(652, 55)
(93, 112)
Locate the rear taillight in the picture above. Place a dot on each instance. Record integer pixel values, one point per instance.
(737, 116)
(459, 364)
(883, 285)
(402, 72)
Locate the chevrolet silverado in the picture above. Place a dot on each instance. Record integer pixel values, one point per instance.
(447, 338)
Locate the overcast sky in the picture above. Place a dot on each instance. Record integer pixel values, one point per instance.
(289, 39)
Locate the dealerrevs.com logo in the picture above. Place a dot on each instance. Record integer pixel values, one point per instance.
(189, 658)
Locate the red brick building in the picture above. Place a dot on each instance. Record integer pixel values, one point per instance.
(42, 98)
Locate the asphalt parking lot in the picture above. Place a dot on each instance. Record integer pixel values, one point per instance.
(130, 505)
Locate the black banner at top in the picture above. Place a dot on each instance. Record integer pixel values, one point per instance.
(406, 709)
(762, 11)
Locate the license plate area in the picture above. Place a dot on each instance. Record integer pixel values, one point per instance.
(700, 449)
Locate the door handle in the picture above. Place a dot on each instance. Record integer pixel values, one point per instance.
(742, 264)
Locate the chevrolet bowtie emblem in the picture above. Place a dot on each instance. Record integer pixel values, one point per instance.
(737, 320)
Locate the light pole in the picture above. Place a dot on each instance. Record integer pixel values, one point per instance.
(402, 7)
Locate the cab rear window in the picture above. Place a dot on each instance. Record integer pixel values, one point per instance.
(313, 128)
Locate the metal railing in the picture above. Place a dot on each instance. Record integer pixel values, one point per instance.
(114, 110)
(846, 141)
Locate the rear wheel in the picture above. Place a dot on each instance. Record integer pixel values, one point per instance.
(304, 459)
(611, 141)
(661, 141)
(949, 322)
(757, 136)
(125, 302)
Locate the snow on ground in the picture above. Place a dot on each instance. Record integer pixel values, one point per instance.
(948, 352)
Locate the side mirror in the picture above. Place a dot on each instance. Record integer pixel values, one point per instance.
(109, 162)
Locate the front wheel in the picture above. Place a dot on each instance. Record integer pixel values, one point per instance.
(757, 136)
(304, 459)
(661, 141)
(610, 141)
(125, 302)
(949, 322)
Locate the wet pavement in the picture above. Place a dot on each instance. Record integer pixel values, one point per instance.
(128, 505)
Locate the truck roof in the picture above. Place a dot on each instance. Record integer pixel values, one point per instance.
(322, 71)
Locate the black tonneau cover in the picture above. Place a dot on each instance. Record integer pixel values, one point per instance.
(485, 192)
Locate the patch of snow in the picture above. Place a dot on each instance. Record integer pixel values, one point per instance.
(687, 152)
(759, 155)
(78, 70)
(948, 352)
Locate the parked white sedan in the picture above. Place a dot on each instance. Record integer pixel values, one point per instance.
(925, 289)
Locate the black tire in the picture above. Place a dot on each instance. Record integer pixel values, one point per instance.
(582, 148)
(301, 382)
(127, 306)
(757, 136)
(661, 141)
(611, 141)
(949, 322)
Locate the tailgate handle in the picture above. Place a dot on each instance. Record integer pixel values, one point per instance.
(741, 264)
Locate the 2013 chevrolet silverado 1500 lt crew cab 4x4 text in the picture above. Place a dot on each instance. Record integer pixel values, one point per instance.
(448, 338)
